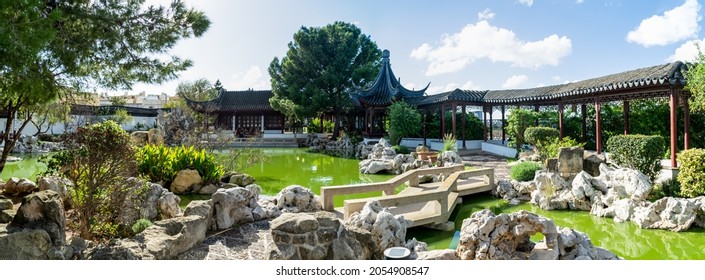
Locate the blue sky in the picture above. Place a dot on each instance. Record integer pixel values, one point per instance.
(480, 44)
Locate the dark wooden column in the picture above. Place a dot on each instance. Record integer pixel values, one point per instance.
(490, 126)
(424, 116)
(443, 120)
(536, 109)
(560, 120)
(583, 111)
(686, 123)
(598, 133)
(283, 123)
(484, 124)
(626, 116)
(673, 102)
(464, 116)
(504, 134)
(372, 120)
(453, 120)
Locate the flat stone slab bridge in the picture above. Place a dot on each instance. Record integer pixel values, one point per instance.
(428, 204)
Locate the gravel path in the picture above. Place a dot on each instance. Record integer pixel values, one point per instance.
(246, 242)
(486, 160)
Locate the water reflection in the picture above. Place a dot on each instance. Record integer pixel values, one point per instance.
(28, 167)
(625, 239)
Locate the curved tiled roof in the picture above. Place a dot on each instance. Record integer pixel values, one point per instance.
(659, 75)
(455, 95)
(386, 87)
(236, 101)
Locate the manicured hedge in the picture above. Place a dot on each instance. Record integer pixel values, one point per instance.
(535, 134)
(641, 152)
(524, 171)
(691, 174)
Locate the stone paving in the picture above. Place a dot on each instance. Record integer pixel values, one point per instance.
(486, 160)
(246, 242)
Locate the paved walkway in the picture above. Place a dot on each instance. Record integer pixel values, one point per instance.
(486, 160)
(246, 242)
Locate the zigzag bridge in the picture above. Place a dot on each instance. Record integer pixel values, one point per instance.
(429, 204)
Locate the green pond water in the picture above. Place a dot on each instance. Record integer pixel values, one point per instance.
(625, 239)
(312, 170)
(28, 167)
(296, 166)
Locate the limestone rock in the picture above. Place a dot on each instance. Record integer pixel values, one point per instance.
(374, 166)
(312, 236)
(450, 158)
(24, 244)
(232, 206)
(140, 138)
(18, 187)
(486, 236)
(675, 214)
(41, 210)
(447, 254)
(57, 184)
(297, 198)
(6, 216)
(184, 180)
(208, 189)
(570, 161)
(627, 183)
(155, 136)
(5, 204)
(168, 204)
(591, 163)
(241, 179)
(386, 230)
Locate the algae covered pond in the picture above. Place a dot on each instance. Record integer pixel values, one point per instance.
(312, 170)
(625, 239)
(296, 166)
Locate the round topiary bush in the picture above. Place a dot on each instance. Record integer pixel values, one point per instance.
(691, 174)
(524, 171)
(535, 134)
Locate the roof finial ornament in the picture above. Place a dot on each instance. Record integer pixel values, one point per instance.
(385, 54)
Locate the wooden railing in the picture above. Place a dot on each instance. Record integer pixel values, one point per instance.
(412, 177)
(440, 194)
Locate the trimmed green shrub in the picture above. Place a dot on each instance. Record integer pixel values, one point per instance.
(535, 134)
(641, 152)
(524, 171)
(314, 126)
(550, 148)
(161, 163)
(140, 225)
(691, 174)
(517, 122)
(400, 149)
(666, 188)
(404, 121)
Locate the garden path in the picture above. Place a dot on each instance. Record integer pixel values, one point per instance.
(483, 159)
(246, 242)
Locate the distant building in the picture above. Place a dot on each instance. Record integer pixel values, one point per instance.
(141, 100)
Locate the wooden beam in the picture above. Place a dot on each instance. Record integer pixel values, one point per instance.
(598, 133)
(425, 125)
(686, 123)
(491, 130)
(560, 120)
(464, 116)
(583, 112)
(453, 120)
(673, 102)
(626, 116)
(504, 134)
(484, 124)
(443, 120)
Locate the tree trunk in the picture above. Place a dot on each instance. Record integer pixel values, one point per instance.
(336, 125)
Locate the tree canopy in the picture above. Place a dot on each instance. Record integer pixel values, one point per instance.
(322, 67)
(696, 82)
(198, 90)
(50, 48)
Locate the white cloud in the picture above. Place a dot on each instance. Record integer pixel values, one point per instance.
(515, 81)
(441, 89)
(527, 2)
(482, 40)
(579, 1)
(470, 86)
(688, 51)
(556, 78)
(487, 14)
(674, 25)
(252, 78)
